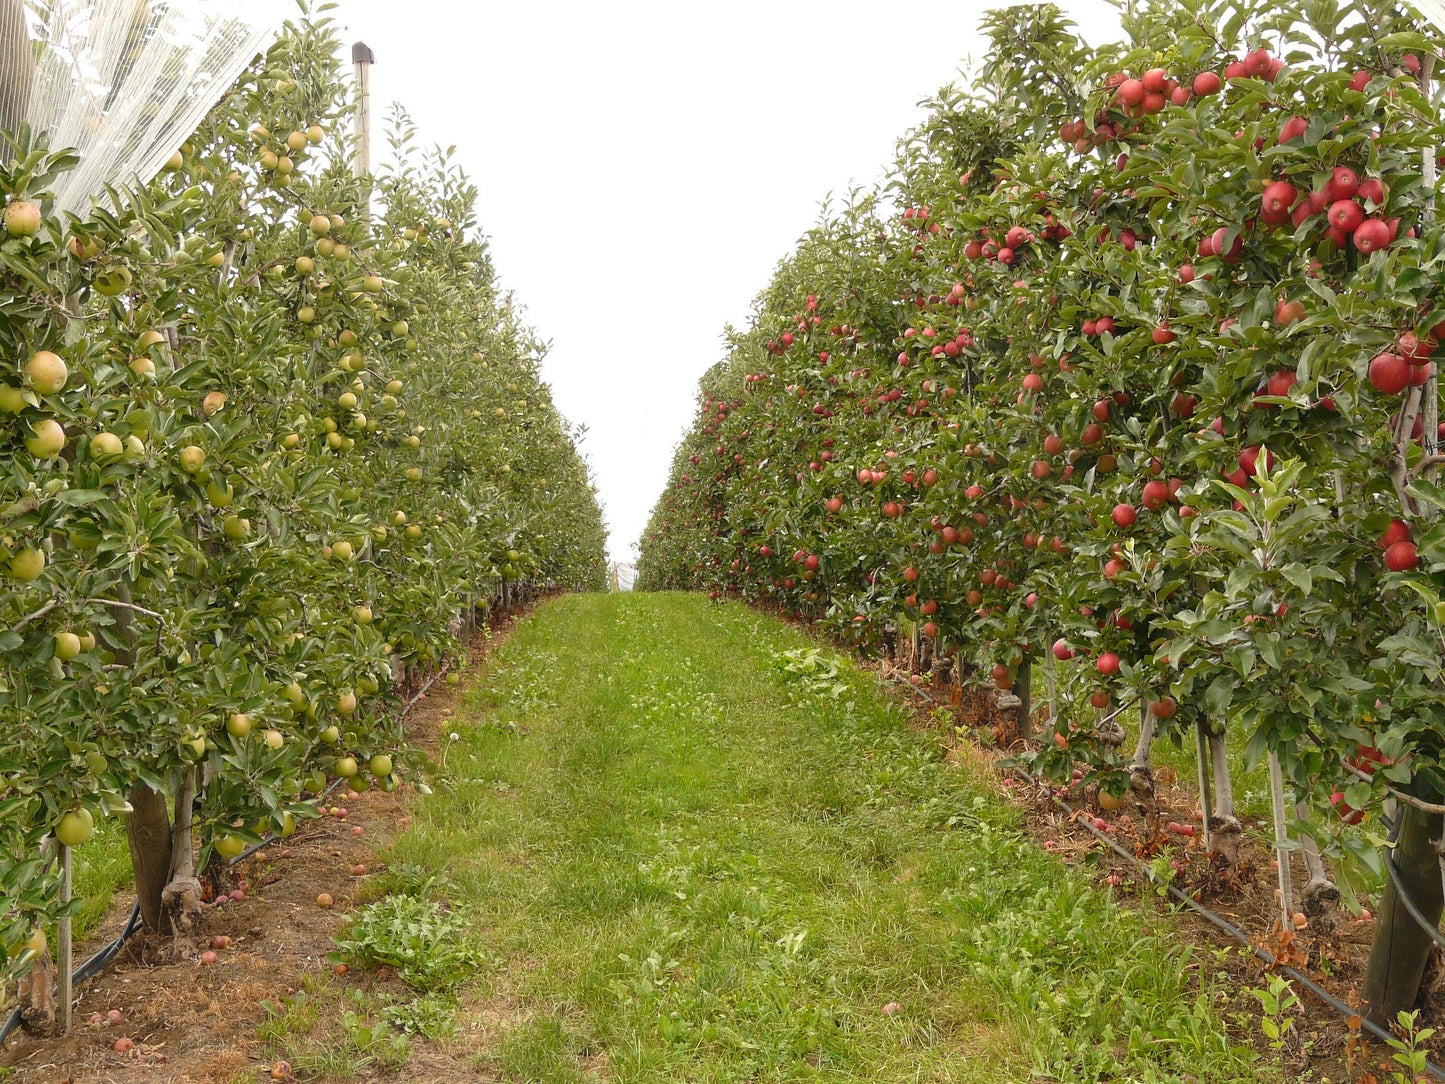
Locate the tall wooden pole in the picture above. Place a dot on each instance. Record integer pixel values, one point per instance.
(1430, 411)
(362, 58)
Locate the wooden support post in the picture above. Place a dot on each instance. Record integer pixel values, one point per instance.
(1430, 408)
(1281, 843)
(1051, 685)
(1023, 687)
(65, 946)
(1206, 796)
(362, 58)
(1401, 947)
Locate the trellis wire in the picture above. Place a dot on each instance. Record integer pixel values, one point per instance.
(1239, 935)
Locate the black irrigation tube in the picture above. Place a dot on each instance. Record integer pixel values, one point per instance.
(1238, 934)
(1411, 907)
(92, 966)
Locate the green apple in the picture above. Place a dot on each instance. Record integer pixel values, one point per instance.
(192, 458)
(105, 445)
(75, 827)
(46, 439)
(27, 565)
(67, 646)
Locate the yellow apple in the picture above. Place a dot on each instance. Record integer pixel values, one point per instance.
(46, 439)
(47, 372)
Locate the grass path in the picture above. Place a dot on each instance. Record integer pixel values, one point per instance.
(684, 862)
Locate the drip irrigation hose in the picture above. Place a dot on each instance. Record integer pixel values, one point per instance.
(1392, 826)
(1239, 935)
(92, 966)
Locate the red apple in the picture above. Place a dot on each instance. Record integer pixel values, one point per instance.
(1371, 235)
(1401, 557)
(1279, 197)
(1345, 215)
(1389, 373)
(1343, 184)
(1397, 531)
(1156, 496)
(1293, 128)
(1347, 813)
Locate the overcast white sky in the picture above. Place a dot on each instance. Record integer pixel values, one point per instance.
(642, 167)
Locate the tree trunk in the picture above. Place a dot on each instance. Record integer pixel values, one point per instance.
(148, 824)
(36, 994)
(1226, 833)
(1141, 772)
(181, 897)
(148, 830)
(1319, 899)
(1401, 947)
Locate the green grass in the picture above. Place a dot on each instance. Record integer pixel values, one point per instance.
(100, 869)
(690, 857)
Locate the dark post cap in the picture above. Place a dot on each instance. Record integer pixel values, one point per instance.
(361, 54)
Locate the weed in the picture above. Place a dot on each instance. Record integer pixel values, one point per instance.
(428, 946)
(818, 673)
(1409, 1051)
(1276, 1002)
(432, 1016)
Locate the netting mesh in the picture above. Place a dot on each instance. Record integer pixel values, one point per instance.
(1434, 10)
(125, 82)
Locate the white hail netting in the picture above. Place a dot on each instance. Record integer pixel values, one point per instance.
(1434, 10)
(124, 82)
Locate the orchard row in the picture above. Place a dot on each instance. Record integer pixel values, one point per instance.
(268, 434)
(1127, 366)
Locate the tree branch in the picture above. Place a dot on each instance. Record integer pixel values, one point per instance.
(129, 606)
(1408, 799)
(37, 615)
